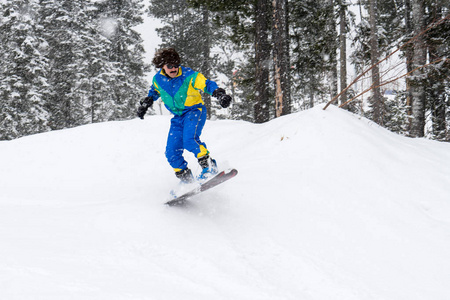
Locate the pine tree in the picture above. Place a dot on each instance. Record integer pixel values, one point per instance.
(184, 30)
(95, 70)
(81, 70)
(23, 71)
(437, 81)
(313, 48)
(190, 31)
(126, 54)
(396, 117)
(246, 24)
(68, 63)
(378, 33)
(62, 21)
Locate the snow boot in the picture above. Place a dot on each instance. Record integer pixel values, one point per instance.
(185, 176)
(209, 167)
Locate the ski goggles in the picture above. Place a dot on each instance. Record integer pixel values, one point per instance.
(170, 66)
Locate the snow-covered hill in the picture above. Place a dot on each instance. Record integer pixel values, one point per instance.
(326, 206)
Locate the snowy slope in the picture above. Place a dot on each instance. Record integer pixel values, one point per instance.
(326, 206)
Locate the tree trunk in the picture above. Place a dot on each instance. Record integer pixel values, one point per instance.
(206, 68)
(287, 61)
(436, 88)
(333, 50)
(419, 59)
(262, 59)
(280, 58)
(343, 49)
(409, 56)
(377, 101)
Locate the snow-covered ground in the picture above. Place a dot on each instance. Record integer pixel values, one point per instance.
(326, 205)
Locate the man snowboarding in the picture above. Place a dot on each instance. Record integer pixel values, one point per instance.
(179, 88)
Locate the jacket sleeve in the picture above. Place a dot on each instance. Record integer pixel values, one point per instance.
(205, 85)
(153, 92)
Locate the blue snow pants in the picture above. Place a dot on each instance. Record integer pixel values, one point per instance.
(184, 133)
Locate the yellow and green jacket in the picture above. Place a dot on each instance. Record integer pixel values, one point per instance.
(182, 92)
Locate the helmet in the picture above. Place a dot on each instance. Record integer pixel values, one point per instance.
(166, 56)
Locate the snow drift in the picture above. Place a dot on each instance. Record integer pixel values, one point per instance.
(326, 205)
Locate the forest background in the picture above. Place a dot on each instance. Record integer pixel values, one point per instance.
(69, 63)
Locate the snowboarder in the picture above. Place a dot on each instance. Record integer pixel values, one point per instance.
(179, 88)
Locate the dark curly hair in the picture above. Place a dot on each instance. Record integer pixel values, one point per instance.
(166, 56)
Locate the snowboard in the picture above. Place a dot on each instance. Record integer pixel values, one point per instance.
(214, 181)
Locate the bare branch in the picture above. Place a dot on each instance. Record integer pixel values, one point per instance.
(432, 25)
(387, 82)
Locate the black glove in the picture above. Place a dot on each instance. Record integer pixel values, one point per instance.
(145, 104)
(224, 99)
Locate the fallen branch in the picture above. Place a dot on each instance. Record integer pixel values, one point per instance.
(387, 82)
(432, 25)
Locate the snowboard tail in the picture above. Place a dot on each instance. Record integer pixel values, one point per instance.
(214, 181)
